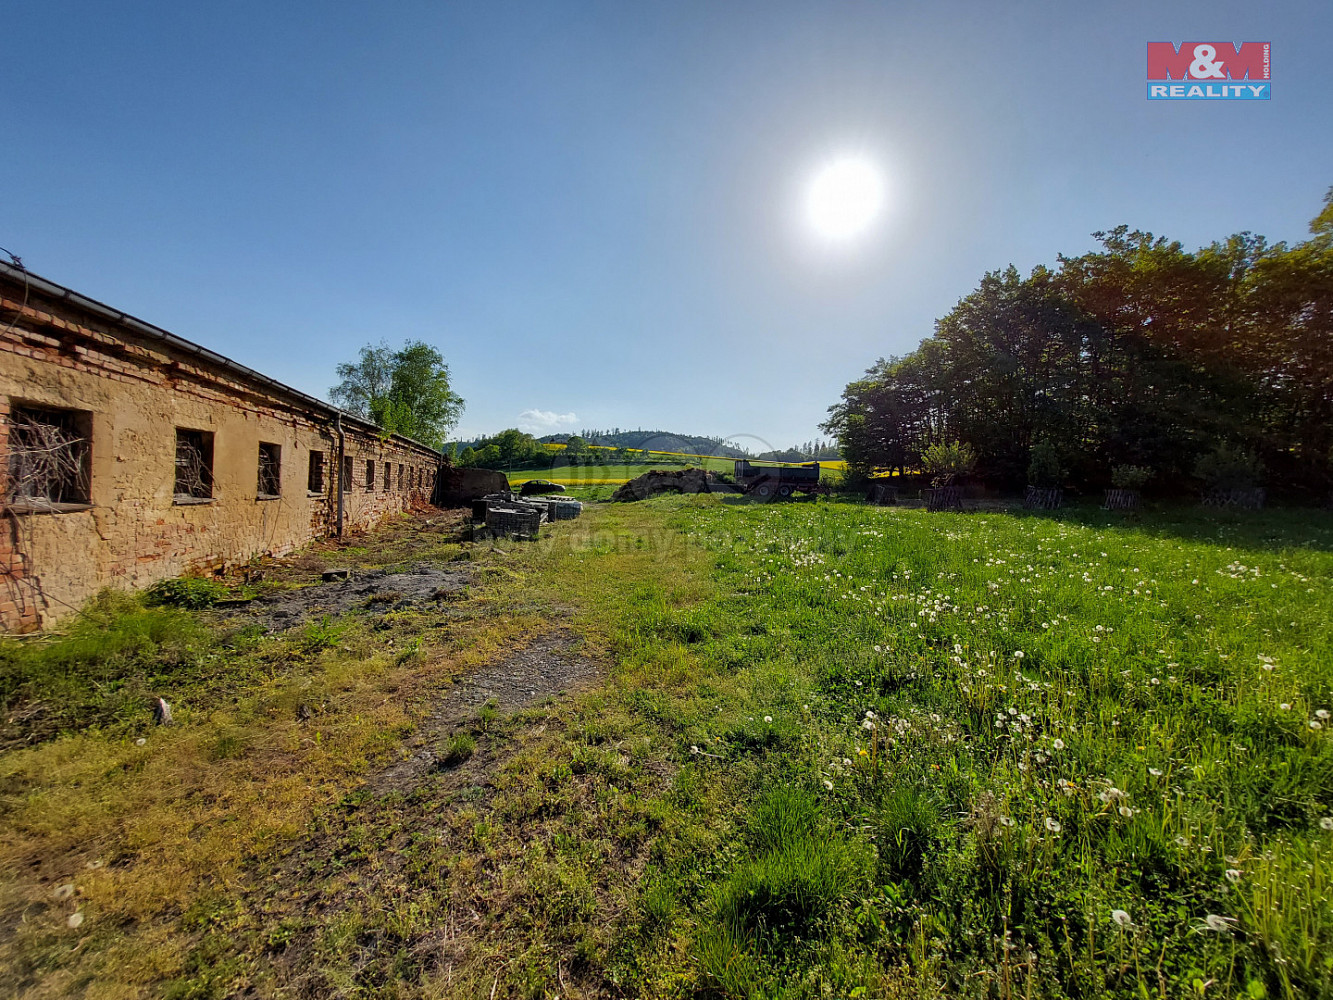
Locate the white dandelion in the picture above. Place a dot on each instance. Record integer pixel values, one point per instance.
(1059, 744)
(1053, 825)
(75, 919)
(768, 719)
(64, 891)
(1122, 918)
(1326, 823)
(828, 785)
(1233, 875)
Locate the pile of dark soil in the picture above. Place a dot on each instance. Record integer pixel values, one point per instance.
(363, 590)
(673, 481)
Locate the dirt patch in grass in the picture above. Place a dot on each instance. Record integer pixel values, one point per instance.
(550, 666)
(364, 590)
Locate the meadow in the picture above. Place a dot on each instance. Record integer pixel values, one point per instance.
(834, 750)
(1069, 755)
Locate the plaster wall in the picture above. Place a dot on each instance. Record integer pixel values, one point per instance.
(134, 530)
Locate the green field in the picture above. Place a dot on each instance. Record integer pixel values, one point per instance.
(832, 751)
(596, 482)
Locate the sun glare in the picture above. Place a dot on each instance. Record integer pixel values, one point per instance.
(844, 198)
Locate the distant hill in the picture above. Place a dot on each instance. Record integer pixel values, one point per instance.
(688, 444)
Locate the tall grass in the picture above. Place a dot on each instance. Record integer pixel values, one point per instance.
(103, 670)
(1093, 757)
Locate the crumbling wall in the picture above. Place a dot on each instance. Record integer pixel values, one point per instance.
(133, 530)
(459, 487)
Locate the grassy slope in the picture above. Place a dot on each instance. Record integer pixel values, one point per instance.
(716, 816)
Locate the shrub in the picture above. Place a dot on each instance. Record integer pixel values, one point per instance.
(946, 461)
(1130, 477)
(1044, 466)
(1229, 467)
(191, 592)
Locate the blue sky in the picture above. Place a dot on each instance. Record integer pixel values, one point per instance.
(594, 209)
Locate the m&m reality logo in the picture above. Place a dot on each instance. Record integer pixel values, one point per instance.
(1208, 71)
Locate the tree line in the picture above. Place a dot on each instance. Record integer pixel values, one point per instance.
(1138, 354)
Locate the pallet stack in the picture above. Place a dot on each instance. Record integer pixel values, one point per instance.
(511, 514)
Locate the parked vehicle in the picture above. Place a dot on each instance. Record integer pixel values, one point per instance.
(768, 481)
(535, 486)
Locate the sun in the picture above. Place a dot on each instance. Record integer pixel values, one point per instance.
(845, 198)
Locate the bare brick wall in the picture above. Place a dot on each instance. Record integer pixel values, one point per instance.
(137, 390)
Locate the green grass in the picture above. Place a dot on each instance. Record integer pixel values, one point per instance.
(814, 765)
(1036, 722)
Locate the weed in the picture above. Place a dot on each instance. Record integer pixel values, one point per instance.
(461, 747)
(486, 714)
(191, 592)
(107, 669)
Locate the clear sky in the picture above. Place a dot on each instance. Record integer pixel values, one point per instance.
(595, 210)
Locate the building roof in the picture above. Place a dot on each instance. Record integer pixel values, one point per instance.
(22, 276)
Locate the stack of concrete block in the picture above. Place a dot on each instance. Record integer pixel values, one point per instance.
(564, 510)
(511, 519)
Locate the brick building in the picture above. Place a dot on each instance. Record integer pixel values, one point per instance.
(130, 455)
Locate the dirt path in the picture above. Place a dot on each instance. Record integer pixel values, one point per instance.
(552, 665)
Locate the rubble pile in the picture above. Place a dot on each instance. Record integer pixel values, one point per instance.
(672, 481)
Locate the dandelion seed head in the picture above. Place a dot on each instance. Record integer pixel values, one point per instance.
(1122, 918)
(1053, 825)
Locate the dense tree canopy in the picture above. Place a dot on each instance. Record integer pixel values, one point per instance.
(509, 449)
(405, 391)
(1139, 353)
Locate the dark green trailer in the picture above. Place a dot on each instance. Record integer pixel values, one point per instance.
(768, 481)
